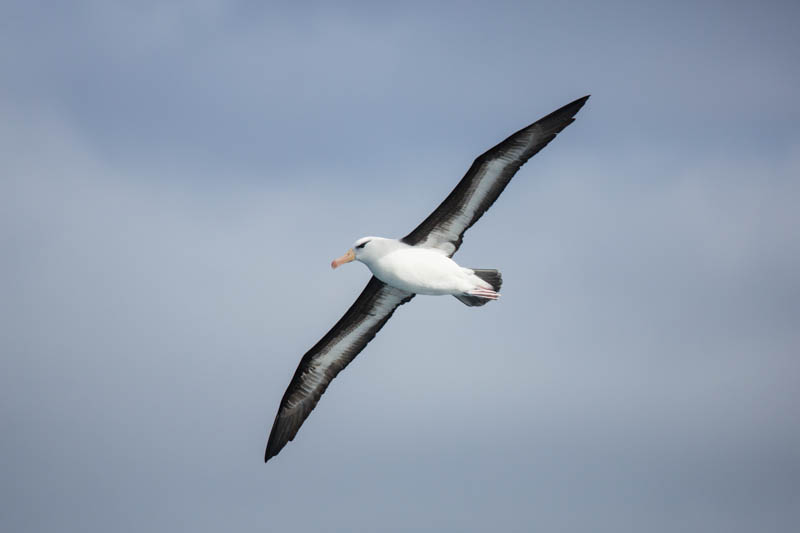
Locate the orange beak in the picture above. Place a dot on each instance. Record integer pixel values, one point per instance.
(346, 258)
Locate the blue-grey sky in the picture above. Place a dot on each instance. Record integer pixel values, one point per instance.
(176, 177)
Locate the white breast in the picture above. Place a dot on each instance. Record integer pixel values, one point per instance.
(421, 271)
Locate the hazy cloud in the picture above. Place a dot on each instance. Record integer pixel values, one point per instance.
(176, 180)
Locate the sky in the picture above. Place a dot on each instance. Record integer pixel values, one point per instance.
(176, 177)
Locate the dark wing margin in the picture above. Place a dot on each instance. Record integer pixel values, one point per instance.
(486, 179)
(329, 356)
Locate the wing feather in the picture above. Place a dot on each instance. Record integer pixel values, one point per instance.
(486, 179)
(329, 356)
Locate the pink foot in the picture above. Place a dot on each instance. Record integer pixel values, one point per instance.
(489, 294)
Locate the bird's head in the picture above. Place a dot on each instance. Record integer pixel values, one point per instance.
(364, 249)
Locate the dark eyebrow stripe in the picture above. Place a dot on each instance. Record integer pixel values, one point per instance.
(363, 244)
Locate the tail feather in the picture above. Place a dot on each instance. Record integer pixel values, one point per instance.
(492, 277)
(482, 296)
(472, 301)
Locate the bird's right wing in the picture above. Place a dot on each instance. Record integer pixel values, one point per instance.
(329, 356)
(485, 180)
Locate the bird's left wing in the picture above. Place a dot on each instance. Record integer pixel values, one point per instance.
(330, 355)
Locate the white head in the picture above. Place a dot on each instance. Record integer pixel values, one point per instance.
(366, 250)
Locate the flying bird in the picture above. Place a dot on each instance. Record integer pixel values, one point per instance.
(419, 263)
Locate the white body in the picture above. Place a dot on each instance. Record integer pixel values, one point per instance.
(415, 269)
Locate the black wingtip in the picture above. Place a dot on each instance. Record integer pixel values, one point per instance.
(270, 453)
(559, 119)
(274, 446)
(574, 106)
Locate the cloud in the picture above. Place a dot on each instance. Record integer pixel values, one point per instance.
(170, 201)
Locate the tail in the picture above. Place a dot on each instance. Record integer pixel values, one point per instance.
(481, 296)
(492, 277)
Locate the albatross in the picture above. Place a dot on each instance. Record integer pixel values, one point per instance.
(419, 263)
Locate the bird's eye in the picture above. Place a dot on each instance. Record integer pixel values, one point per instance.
(363, 244)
